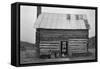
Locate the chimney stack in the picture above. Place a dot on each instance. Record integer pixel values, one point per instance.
(38, 10)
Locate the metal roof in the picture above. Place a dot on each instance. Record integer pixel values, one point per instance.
(61, 21)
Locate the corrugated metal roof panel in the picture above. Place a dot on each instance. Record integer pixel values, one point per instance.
(60, 21)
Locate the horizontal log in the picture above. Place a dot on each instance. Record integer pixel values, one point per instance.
(77, 39)
(51, 42)
(64, 32)
(67, 31)
(77, 44)
(62, 35)
(59, 33)
(71, 42)
(48, 49)
(58, 38)
(51, 46)
(78, 48)
(78, 51)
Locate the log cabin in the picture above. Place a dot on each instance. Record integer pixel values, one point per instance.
(61, 35)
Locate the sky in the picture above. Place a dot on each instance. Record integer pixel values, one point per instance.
(29, 16)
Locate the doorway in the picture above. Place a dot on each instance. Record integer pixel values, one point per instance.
(64, 48)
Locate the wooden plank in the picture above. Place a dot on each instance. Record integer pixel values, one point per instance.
(81, 32)
(55, 42)
(62, 30)
(67, 35)
(85, 42)
(77, 48)
(49, 44)
(49, 48)
(77, 39)
(58, 38)
(63, 34)
(82, 51)
(77, 44)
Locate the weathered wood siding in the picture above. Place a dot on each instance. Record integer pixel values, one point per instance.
(77, 46)
(47, 46)
(50, 40)
(56, 35)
